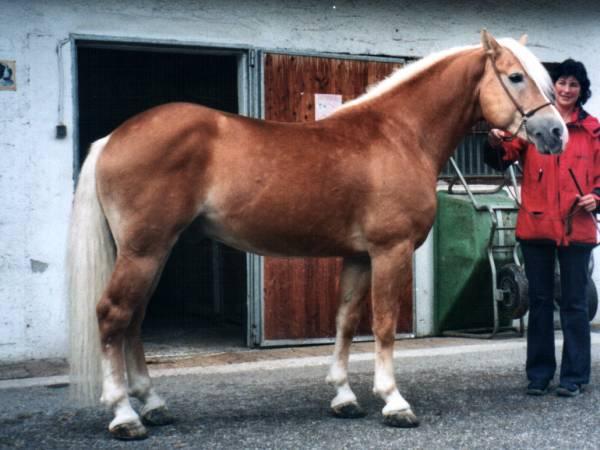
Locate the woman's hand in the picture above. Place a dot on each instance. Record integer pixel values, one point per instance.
(496, 137)
(587, 202)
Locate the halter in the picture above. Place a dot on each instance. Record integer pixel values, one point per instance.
(525, 115)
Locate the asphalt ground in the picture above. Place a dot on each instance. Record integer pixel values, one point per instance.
(468, 394)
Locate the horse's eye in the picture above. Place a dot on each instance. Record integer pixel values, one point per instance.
(515, 77)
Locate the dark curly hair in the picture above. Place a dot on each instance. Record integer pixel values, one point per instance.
(570, 67)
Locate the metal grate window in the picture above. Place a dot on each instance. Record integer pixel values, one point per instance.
(469, 155)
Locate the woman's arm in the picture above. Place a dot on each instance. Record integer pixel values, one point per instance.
(591, 202)
(506, 150)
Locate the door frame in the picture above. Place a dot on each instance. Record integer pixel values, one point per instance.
(249, 104)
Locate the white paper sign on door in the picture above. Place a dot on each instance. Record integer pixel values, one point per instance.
(326, 104)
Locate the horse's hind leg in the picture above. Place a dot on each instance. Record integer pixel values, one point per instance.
(154, 409)
(354, 284)
(391, 272)
(130, 286)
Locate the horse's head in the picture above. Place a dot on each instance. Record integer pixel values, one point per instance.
(516, 93)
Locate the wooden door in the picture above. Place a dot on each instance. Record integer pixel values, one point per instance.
(301, 295)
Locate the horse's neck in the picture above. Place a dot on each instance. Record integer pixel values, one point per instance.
(436, 108)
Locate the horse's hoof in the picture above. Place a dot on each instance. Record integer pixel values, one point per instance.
(348, 411)
(158, 416)
(129, 431)
(401, 419)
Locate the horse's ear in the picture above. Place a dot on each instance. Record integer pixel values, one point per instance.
(490, 45)
(523, 40)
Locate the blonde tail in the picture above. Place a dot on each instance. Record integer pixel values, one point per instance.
(90, 260)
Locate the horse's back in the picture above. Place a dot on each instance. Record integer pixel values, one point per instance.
(266, 187)
(263, 186)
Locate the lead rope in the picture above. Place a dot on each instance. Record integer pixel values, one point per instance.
(573, 210)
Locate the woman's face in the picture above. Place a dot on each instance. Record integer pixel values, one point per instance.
(567, 91)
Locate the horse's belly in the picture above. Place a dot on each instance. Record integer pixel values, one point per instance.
(273, 240)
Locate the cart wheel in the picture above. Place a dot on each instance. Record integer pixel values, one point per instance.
(512, 281)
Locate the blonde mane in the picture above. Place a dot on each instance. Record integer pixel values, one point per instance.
(528, 60)
(532, 65)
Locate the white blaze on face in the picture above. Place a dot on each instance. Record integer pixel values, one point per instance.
(539, 75)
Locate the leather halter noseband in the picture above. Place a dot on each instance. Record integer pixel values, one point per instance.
(525, 115)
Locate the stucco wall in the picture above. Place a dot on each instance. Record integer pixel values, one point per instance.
(36, 169)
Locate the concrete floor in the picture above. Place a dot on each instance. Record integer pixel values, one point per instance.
(173, 341)
(468, 393)
(172, 349)
(188, 350)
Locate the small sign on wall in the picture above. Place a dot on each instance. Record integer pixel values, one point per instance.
(326, 104)
(8, 75)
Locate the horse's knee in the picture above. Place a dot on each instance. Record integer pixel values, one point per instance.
(113, 318)
(384, 330)
(386, 339)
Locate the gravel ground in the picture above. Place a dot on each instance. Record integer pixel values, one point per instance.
(468, 400)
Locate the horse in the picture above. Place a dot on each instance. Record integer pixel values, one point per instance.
(359, 184)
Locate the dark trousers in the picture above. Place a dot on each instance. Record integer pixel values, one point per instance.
(576, 354)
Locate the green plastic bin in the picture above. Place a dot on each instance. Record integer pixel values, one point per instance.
(464, 286)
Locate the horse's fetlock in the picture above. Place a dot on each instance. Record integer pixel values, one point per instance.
(153, 401)
(336, 379)
(337, 375)
(384, 390)
(110, 399)
(140, 389)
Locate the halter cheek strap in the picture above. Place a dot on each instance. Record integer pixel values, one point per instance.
(525, 115)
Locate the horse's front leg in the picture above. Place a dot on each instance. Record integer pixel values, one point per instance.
(354, 284)
(391, 272)
(128, 290)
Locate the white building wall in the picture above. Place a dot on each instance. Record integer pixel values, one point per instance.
(36, 169)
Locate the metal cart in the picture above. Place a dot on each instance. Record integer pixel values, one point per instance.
(508, 297)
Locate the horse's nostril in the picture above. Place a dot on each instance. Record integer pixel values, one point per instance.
(557, 132)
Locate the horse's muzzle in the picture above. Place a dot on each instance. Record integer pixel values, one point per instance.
(549, 135)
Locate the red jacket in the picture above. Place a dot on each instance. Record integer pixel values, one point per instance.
(548, 192)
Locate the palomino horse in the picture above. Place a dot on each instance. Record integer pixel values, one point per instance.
(359, 184)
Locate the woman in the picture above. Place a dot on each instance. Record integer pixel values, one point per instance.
(556, 221)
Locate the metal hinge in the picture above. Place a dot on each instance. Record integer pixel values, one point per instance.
(254, 341)
(252, 58)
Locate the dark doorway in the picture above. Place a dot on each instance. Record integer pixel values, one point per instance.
(200, 302)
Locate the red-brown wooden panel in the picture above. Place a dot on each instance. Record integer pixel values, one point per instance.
(301, 295)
